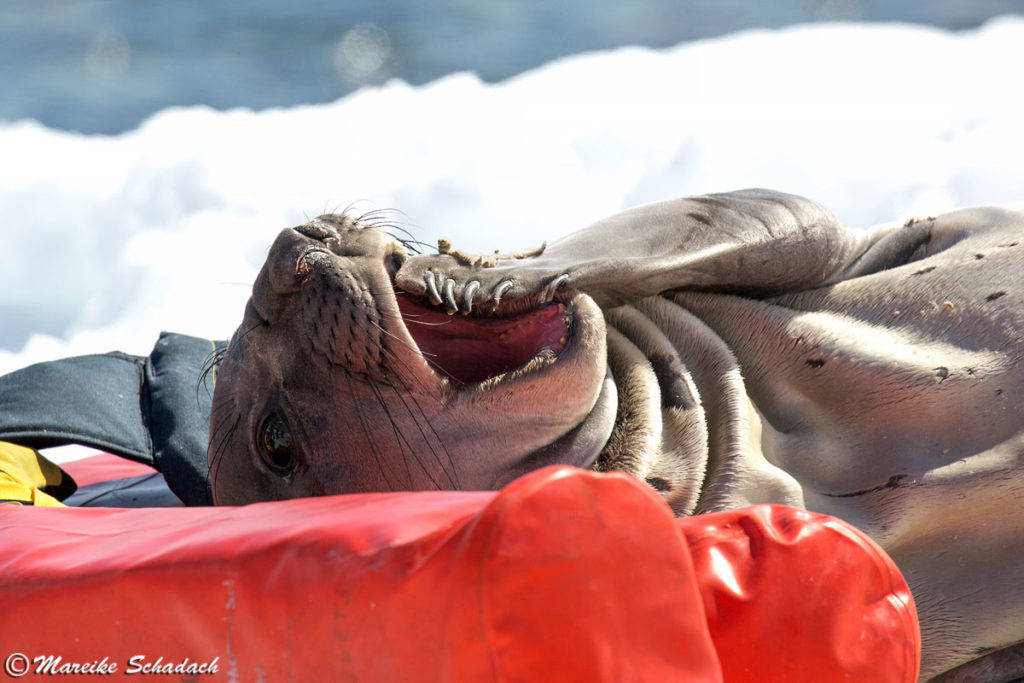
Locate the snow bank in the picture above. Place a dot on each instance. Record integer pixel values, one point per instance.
(108, 240)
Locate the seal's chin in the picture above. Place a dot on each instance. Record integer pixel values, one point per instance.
(470, 350)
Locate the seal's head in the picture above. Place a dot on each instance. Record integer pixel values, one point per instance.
(339, 382)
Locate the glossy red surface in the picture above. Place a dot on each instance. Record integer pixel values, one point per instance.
(563, 575)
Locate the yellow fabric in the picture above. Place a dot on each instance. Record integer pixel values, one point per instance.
(23, 473)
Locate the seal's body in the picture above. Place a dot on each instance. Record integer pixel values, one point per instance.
(728, 349)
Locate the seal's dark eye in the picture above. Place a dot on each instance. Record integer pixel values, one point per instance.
(275, 443)
(393, 262)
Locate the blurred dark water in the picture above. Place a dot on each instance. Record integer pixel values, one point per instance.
(102, 66)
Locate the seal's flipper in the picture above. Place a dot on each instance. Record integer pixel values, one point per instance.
(755, 242)
(148, 409)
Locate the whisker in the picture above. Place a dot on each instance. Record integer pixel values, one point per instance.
(398, 339)
(426, 355)
(451, 471)
(366, 431)
(374, 214)
(209, 369)
(413, 244)
(400, 438)
(381, 220)
(411, 317)
(218, 442)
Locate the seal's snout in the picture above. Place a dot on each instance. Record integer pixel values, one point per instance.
(292, 257)
(321, 286)
(324, 245)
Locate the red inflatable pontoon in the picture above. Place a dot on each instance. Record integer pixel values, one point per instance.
(564, 575)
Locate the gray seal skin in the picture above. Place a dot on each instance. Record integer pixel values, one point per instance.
(728, 349)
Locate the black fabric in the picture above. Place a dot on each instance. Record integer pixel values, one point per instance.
(179, 404)
(152, 410)
(145, 491)
(90, 400)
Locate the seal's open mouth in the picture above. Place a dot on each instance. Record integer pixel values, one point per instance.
(472, 349)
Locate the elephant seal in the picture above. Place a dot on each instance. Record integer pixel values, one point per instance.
(728, 349)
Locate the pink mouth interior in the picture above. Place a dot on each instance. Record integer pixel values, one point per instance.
(470, 349)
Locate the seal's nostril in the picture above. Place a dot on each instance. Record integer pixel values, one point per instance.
(304, 264)
(316, 231)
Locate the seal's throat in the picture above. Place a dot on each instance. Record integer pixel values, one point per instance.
(471, 349)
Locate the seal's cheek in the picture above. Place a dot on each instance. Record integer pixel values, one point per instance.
(240, 475)
(252, 444)
(236, 480)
